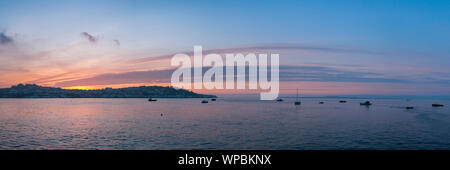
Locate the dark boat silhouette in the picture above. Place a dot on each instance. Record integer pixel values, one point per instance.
(409, 107)
(213, 99)
(321, 102)
(280, 100)
(297, 102)
(437, 105)
(152, 100)
(204, 101)
(367, 103)
(342, 101)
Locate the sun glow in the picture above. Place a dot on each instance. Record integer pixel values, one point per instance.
(81, 88)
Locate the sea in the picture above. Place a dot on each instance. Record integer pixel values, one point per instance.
(234, 123)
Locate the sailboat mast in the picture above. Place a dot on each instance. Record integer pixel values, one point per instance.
(297, 102)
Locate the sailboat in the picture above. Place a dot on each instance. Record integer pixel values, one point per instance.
(297, 102)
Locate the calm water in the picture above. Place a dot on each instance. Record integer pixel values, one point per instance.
(225, 124)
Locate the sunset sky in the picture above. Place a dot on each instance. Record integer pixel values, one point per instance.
(326, 47)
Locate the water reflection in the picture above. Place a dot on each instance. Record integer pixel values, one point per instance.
(225, 124)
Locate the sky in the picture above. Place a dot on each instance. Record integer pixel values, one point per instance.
(392, 47)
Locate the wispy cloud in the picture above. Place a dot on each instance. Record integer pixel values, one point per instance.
(121, 78)
(331, 74)
(89, 37)
(104, 64)
(117, 42)
(273, 48)
(287, 74)
(5, 39)
(62, 63)
(95, 39)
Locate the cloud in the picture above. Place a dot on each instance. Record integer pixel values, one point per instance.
(261, 49)
(95, 39)
(287, 74)
(117, 42)
(89, 37)
(121, 78)
(330, 74)
(4, 39)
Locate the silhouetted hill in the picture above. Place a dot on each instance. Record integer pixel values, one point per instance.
(35, 91)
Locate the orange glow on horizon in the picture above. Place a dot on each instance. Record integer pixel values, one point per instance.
(79, 88)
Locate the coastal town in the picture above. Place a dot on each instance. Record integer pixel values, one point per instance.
(36, 91)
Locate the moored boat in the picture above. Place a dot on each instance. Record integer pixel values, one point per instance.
(297, 102)
(367, 103)
(437, 105)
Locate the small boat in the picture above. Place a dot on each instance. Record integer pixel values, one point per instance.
(367, 103)
(280, 100)
(213, 99)
(437, 105)
(409, 107)
(297, 102)
(204, 101)
(321, 102)
(342, 101)
(152, 100)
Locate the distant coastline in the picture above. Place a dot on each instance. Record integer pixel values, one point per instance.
(35, 91)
